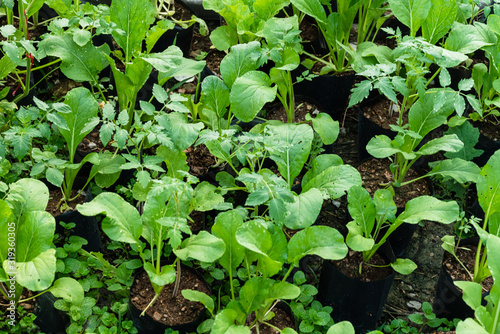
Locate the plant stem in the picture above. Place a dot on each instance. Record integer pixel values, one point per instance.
(177, 279)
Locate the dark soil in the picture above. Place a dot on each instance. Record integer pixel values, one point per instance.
(198, 221)
(383, 112)
(276, 111)
(199, 160)
(167, 309)
(55, 196)
(349, 266)
(280, 320)
(466, 254)
(489, 129)
(376, 172)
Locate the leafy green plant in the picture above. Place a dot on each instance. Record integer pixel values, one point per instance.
(427, 319)
(163, 220)
(374, 220)
(264, 243)
(25, 263)
(486, 317)
(24, 325)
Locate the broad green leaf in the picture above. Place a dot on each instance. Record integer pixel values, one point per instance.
(466, 38)
(216, 95)
(254, 293)
(412, 13)
(469, 135)
(224, 37)
(326, 127)
(291, 147)
(381, 147)
(165, 276)
(69, 290)
(255, 237)
(492, 249)
(79, 63)
(225, 228)
(469, 326)
(198, 296)
(249, 93)
(319, 164)
(202, 247)
(447, 143)
(155, 33)
(122, 223)
(27, 195)
(488, 186)
(54, 176)
(362, 209)
(283, 290)
(472, 293)
(404, 266)
(241, 59)
(305, 209)
(224, 323)
(334, 181)
(133, 18)
(6, 221)
(429, 208)
(6, 66)
(34, 235)
(360, 92)
(81, 120)
(356, 239)
(442, 15)
(207, 196)
(460, 170)
(33, 7)
(176, 161)
(182, 132)
(323, 241)
(343, 327)
(313, 8)
(38, 273)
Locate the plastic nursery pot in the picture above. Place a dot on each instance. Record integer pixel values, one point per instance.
(353, 300)
(85, 227)
(489, 146)
(448, 302)
(182, 38)
(329, 92)
(196, 7)
(147, 325)
(48, 318)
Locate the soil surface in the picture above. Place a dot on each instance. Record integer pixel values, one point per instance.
(54, 207)
(383, 112)
(276, 111)
(280, 320)
(349, 266)
(199, 160)
(376, 172)
(489, 129)
(167, 309)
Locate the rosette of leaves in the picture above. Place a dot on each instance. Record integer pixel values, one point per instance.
(374, 220)
(161, 226)
(27, 258)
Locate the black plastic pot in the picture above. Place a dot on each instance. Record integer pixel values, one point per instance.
(448, 302)
(196, 7)
(329, 92)
(147, 325)
(181, 37)
(359, 302)
(85, 227)
(489, 146)
(48, 318)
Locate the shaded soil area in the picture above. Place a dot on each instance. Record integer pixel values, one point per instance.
(370, 271)
(281, 320)
(54, 207)
(167, 309)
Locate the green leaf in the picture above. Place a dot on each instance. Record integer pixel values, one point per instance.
(488, 187)
(460, 170)
(82, 118)
(442, 15)
(472, 293)
(362, 209)
(343, 327)
(444, 77)
(81, 37)
(381, 147)
(469, 135)
(465, 38)
(225, 227)
(123, 222)
(249, 93)
(360, 92)
(411, 13)
(242, 59)
(305, 209)
(447, 143)
(429, 208)
(291, 147)
(155, 33)
(404, 266)
(166, 276)
(224, 37)
(470, 326)
(326, 127)
(176, 161)
(6, 66)
(38, 273)
(323, 241)
(183, 133)
(312, 8)
(198, 296)
(202, 247)
(334, 181)
(79, 63)
(207, 196)
(216, 95)
(255, 237)
(69, 289)
(224, 323)
(27, 195)
(133, 18)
